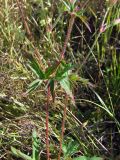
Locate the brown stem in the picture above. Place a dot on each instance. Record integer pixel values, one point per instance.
(36, 52)
(63, 126)
(71, 22)
(24, 19)
(47, 124)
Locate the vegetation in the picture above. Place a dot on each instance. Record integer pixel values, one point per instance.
(59, 80)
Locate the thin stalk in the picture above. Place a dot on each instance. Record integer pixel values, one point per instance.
(63, 126)
(24, 19)
(71, 22)
(26, 26)
(47, 124)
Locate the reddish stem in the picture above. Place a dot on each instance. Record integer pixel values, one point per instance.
(47, 124)
(63, 126)
(71, 22)
(24, 19)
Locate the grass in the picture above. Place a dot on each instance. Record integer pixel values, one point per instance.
(59, 80)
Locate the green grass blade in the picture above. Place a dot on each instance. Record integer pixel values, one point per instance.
(19, 154)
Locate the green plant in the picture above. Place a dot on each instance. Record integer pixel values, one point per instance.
(58, 73)
(43, 37)
(35, 149)
(71, 148)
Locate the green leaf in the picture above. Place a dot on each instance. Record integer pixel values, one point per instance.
(80, 13)
(63, 70)
(34, 85)
(70, 149)
(72, 7)
(104, 106)
(84, 81)
(64, 149)
(18, 153)
(34, 66)
(87, 158)
(69, 6)
(74, 77)
(52, 85)
(66, 5)
(50, 70)
(65, 84)
(81, 158)
(36, 146)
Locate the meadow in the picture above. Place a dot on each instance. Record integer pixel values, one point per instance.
(59, 80)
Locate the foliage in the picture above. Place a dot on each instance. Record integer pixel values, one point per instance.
(35, 149)
(59, 62)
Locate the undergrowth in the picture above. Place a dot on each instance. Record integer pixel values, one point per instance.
(59, 80)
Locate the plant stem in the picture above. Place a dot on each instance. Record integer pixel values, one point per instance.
(63, 126)
(47, 124)
(71, 22)
(28, 31)
(24, 19)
